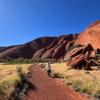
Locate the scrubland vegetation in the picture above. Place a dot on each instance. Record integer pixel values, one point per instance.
(11, 75)
(26, 61)
(83, 81)
(8, 78)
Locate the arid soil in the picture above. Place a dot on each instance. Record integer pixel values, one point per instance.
(49, 88)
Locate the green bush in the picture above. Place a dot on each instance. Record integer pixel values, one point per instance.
(26, 61)
(85, 90)
(57, 75)
(4, 87)
(76, 85)
(22, 86)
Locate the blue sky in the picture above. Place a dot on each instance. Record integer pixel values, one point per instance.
(23, 20)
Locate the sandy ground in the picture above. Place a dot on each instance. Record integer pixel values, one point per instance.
(49, 88)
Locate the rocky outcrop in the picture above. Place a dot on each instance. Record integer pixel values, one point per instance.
(90, 36)
(78, 62)
(44, 47)
(2, 49)
(85, 55)
(57, 48)
(69, 45)
(82, 57)
(40, 52)
(73, 52)
(65, 46)
(48, 54)
(59, 51)
(26, 50)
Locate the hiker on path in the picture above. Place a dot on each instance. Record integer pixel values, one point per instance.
(48, 67)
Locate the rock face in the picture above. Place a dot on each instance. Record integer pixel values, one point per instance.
(57, 48)
(86, 54)
(26, 50)
(90, 36)
(44, 47)
(73, 53)
(60, 51)
(82, 57)
(40, 52)
(79, 50)
(78, 62)
(69, 44)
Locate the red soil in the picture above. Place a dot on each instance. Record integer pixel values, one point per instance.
(49, 88)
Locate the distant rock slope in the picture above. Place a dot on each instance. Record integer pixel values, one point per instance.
(26, 50)
(44, 47)
(5, 48)
(54, 47)
(90, 36)
(57, 49)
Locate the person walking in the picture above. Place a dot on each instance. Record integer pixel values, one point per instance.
(48, 67)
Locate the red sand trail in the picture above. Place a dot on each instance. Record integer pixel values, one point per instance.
(49, 88)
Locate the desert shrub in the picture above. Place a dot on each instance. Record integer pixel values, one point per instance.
(68, 80)
(22, 86)
(36, 60)
(49, 60)
(97, 94)
(85, 90)
(57, 75)
(22, 60)
(5, 88)
(18, 61)
(77, 85)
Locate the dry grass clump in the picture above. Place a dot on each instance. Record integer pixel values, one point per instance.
(9, 72)
(57, 75)
(8, 78)
(6, 88)
(81, 80)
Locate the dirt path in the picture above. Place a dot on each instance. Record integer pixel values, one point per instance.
(49, 88)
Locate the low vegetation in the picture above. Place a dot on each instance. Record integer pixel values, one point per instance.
(26, 61)
(22, 86)
(13, 78)
(8, 78)
(57, 75)
(9, 71)
(5, 88)
(87, 82)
